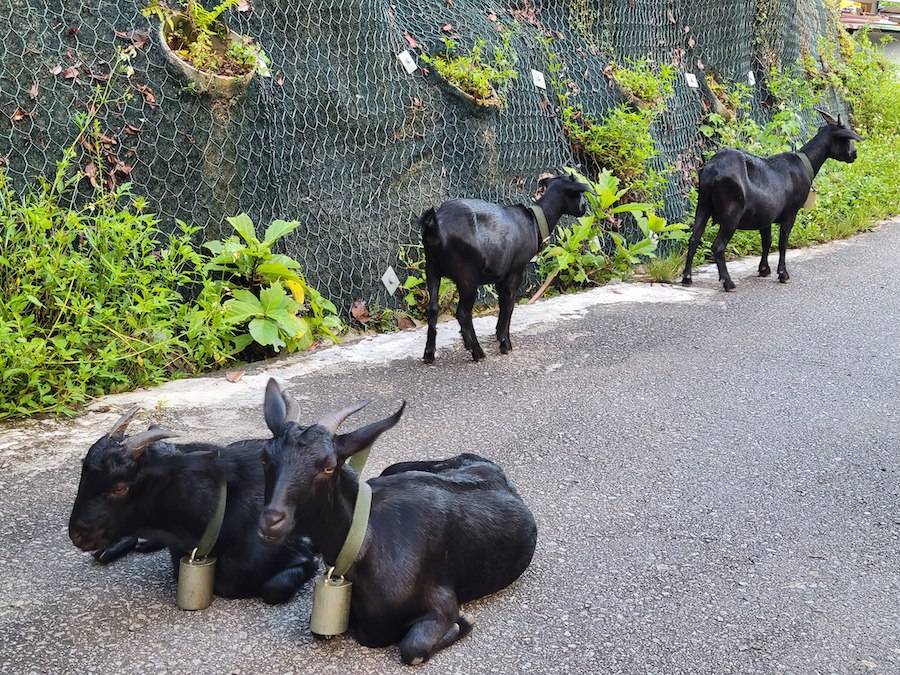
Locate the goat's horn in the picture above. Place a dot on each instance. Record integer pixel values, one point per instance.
(120, 426)
(829, 119)
(292, 408)
(334, 420)
(136, 444)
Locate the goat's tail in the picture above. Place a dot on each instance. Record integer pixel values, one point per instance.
(431, 238)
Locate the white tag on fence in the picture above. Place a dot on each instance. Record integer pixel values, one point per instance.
(409, 63)
(692, 80)
(751, 78)
(538, 78)
(390, 280)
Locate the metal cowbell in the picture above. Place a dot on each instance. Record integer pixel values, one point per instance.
(195, 582)
(331, 606)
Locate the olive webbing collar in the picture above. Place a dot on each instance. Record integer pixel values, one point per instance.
(807, 165)
(542, 225)
(214, 527)
(360, 523)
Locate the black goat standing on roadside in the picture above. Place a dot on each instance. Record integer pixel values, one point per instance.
(474, 242)
(140, 486)
(439, 533)
(741, 191)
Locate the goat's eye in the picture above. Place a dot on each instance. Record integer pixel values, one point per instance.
(328, 470)
(119, 491)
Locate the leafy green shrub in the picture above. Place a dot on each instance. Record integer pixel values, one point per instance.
(645, 82)
(270, 294)
(471, 73)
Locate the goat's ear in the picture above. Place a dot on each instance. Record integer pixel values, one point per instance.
(176, 463)
(274, 407)
(829, 119)
(349, 444)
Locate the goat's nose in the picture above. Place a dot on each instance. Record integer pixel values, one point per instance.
(273, 517)
(83, 539)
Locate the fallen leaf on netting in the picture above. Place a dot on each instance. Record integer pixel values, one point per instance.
(701, 65)
(244, 6)
(91, 172)
(131, 129)
(359, 311)
(87, 145)
(100, 78)
(234, 375)
(280, 78)
(404, 322)
(56, 70)
(491, 16)
(20, 114)
(147, 93)
(447, 27)
(122, 168)
(691, 41)
(670, 16)
(136, 37)
(449, 3)
(33, 92)
(92, 109)
(106, 140)
(411, 40)
(111, 181)
(72, 72)
(687, 29)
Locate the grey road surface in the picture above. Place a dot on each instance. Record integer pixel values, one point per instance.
(715, 477)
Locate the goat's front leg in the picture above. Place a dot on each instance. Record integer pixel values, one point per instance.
(284, 585)
(784, 231)
(701, 217)
(433, 281)
(115, 550)
(464, 316)
(718, 248)
(506, 292)
(765, 234)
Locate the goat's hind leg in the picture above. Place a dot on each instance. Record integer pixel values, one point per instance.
(722, 238)
(506, 292)
(464, 316)
(433, 281)
(439, 629)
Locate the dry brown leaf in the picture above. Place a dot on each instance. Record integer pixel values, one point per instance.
(131, 129)
(411, 40)
(234, 375)
(20, 114)
(244, 6)
(147, 93)
(33, 92)
(136, 37)
(359, 311)
(91, 172)
(72, 73)
(87, 145)
(56, 70)
(404, 322)
(447, 27)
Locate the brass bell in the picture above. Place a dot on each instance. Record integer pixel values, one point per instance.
(195, 581)
(331, 605)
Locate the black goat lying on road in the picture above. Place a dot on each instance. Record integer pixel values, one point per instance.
(741, 191)
(474, 242)
(140, 486)
(439, 533)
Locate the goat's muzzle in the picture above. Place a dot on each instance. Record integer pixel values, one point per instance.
(86, 540)
(275, 524)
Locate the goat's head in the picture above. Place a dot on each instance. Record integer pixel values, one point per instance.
(568, 191)
(839, 138)
(114, 473)
(303, 464)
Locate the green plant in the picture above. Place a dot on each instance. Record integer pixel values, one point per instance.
(201, 38)
(270, 295)
(578, 257)
(665, 268)
(416, 297)
(643, 82)
(471, 73)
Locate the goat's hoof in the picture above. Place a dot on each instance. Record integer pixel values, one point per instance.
(687, 281)
(477, 354)
(505, 347)
(783, 278)
(428, 358)
(729, 286)
(765, 272)
(465, 622)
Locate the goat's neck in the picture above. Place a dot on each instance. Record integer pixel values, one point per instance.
(817, 151)
(552, 207)
(327, 521)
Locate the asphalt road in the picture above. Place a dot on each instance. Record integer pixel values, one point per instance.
(716, 480)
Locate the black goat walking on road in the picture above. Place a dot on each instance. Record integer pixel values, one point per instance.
(741, 191)
(142, 486)
(474, 243)
(439, 533)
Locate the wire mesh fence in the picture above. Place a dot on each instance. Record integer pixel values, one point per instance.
(341, 137)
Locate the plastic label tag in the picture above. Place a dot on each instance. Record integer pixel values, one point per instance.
(692, 80)
(751, 78)
(538, 78)
(390, 280)
(409, 63)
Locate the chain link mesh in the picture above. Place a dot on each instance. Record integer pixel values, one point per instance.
(340, 137)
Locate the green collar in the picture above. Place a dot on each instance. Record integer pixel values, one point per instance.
(214, 527)
(350, 550)
(807, 165)
(542, 225)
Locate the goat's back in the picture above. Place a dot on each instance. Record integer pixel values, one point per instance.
(459, 519)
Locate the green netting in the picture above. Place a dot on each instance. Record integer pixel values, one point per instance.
(341, 137)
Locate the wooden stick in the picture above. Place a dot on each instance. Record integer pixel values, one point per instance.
(543, 288)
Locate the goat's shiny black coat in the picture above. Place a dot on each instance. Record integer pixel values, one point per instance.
(474, 242)
(171, 494)
(440, 532)
(741, 191)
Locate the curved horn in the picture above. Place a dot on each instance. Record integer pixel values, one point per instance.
(136, 444)
(292, 408)
(334, 420)
(829, 119)
(120, 426)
